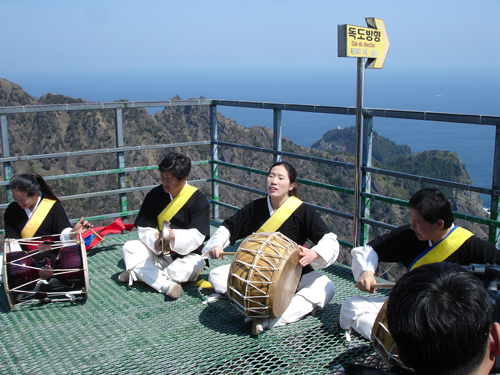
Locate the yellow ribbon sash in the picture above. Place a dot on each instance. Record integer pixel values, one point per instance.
(175, 205)
(37, 218)
(443, 249)
(279, 217)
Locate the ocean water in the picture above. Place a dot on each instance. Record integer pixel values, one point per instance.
(451, 91)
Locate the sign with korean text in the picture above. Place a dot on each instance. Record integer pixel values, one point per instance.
(371, 42)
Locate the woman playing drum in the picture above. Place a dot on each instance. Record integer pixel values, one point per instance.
(302, 223)
(36, 211)
(49, 269)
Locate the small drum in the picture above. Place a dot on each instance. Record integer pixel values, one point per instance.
(54, 271)
(383, 341)
(264, 275)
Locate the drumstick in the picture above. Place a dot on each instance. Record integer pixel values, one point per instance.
(93, 231)
(229, 253)
(388, 285)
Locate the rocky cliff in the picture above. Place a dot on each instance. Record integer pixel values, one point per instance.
(42, 133)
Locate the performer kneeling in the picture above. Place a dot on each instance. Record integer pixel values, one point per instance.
(186, 210)
(282, 211)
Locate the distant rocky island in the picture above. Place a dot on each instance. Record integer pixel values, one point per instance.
(42, 133)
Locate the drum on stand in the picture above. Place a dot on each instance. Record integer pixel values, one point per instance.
(42, 269)
(264, 275)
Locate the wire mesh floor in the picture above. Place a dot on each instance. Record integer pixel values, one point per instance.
(135, 330)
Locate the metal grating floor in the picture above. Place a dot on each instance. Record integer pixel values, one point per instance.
(135, 330)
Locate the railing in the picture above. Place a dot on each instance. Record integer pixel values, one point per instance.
(277, 152)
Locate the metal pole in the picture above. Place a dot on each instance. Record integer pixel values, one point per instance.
(120, 157)
(495, 184)
(215, 158)
(277, 134)
(366, 177)
(7, 172)
(359, 149)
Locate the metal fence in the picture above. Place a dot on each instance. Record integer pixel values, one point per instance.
(366, 166)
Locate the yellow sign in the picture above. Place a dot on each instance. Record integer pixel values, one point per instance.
(371, 42)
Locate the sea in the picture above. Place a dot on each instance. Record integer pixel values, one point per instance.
(459, 90)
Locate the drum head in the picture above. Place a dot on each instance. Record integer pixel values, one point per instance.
(282, 292)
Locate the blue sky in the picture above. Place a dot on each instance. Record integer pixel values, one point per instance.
(444, 54)
(263, 50)
(154, 35)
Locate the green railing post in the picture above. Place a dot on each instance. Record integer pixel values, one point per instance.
(277, 133)
(494, 233)
(366, 177)
(120, 157)
(215, 159)
(7, 172)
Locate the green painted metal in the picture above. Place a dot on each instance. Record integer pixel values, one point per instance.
(135, 330)
(6, 159)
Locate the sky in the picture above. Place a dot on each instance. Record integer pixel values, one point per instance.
(106, 50)
(155, 35)
(444, 54)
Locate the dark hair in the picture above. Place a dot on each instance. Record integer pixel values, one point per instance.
(32, 184)
(292, 174)
(440, 316)
(433, 206)
(177, 163)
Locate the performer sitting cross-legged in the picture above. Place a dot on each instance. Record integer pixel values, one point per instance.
(282, 211)
(36, 211)
(187, 211)
(431, 237)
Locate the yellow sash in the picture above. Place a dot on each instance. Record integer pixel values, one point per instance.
(37, 218)
(175, 205)
(279, 217)
(443, 249)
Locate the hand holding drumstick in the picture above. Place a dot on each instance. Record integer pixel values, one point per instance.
(82, 227)
(368, 283)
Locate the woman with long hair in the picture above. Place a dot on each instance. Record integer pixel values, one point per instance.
(303, 223)
(36, 211)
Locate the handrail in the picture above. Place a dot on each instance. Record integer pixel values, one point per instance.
(368, 113)
(99, 105)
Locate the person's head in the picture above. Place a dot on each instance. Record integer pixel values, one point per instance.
(174, 172)
(281, 180)
(440, 317)
(430, 214)
(26, 188)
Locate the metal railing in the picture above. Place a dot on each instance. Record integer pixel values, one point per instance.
(276, 151)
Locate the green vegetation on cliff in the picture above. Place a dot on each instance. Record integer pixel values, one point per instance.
(42, 133)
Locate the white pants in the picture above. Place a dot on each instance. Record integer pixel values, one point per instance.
(313, 293)
(159, 272)
(359, 313)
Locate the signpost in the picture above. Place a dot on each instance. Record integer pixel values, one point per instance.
(370, 43)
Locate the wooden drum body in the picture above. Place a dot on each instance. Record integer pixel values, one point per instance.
(383, 341)
(264, 275)
(37, 269)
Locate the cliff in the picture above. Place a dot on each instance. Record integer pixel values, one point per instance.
(41, 133)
